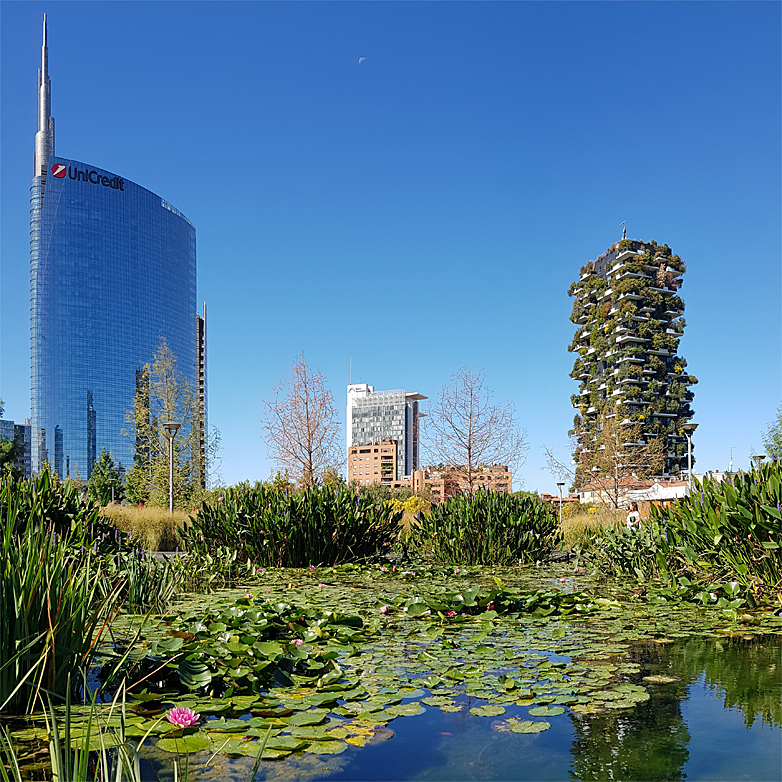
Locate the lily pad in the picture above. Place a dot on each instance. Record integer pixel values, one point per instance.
(546, 711)
(404, 710)
(197, 742)
(327, 747)
(660, 679)
(487, 711)
(527, 726)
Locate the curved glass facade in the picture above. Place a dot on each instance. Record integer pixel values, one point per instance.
(113, 269)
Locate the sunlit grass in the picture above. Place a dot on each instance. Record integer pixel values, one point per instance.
(575, 528)
(153, 528)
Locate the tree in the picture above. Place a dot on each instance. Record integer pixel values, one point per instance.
(105, 483)
(10, 450)
(163, 395)
(772, 437)
(303, 434)
(465, 430)
(609, 453)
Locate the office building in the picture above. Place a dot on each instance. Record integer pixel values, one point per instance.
(20, 434)
(628, 312)
(113, 270)
(373, 416)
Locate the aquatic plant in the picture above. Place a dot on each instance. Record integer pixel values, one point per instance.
(273, 527)
(486, 528)
(53, 606)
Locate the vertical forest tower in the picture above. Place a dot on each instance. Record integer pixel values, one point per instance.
(628, 313)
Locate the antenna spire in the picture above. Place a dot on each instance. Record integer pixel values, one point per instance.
(624, 229)
(44, 138)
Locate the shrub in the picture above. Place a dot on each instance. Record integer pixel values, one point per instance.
(277, 528)
(486, 528)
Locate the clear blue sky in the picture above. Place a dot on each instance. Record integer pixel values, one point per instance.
(455, 182)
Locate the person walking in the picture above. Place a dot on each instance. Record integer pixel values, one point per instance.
(633, 517)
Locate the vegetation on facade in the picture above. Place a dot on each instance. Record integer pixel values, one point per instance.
(629, 318)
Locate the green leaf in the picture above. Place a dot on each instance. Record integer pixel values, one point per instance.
(487, 711)
(197, 742)
(194, 675)
(527, 726)
(546, 711)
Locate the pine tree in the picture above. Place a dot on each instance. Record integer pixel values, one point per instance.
(105, 478)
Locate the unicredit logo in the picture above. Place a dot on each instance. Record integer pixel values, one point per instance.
(58, 169)
(115, 183)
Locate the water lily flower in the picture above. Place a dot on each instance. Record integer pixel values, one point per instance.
(384, 568)
(457, 570)
(312, 567)
(249, 596)
(182, 718)
(562, 580)
(321, 585)
(384, 609)
(267, 591)
(490, 607)
(260, 570)
(297, 641)
(450, 613)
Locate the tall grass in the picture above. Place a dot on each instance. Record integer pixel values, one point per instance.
(577, 528)
(486, 528)
(152, 528)
(277, 528)
(54, 604)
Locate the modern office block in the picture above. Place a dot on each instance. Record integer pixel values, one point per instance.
(628, 312)
(385, 415)
(113, 270)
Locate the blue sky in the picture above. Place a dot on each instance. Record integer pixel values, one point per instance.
(455, 181)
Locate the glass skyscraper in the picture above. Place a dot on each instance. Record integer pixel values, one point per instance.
(112, 271)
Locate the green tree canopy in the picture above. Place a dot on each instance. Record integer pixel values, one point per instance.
(772, 437)
(104, 478)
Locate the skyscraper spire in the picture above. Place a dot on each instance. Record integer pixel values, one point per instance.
(44, 138)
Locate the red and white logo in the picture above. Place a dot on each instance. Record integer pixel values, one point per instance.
(58, 169)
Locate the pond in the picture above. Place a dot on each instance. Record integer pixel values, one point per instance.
(462, 674)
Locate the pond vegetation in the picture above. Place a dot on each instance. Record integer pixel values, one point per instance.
(308, 672)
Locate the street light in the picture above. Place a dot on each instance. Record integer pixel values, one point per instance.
(560, 484)
(759, 461)
(171, 429)
(689, 428)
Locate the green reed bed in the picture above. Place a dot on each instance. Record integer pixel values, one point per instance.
(486, 528)
(273, 527)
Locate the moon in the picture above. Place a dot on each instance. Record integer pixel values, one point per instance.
(361, 59)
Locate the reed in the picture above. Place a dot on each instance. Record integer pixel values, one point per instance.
(486, 528)
(273, 527)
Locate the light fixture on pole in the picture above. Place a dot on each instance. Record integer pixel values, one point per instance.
(171, 429)
(560, 484)
(759, 460)
(688, 429)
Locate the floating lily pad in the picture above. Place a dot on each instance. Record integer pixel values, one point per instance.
(527, 726)
(661, 679)
(487, 711)
(437, 700)
(546, 711)
(327, 747)
(404, 710)
(452, 708)
(197, 742)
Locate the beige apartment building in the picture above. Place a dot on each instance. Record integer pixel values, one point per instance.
(377, 463)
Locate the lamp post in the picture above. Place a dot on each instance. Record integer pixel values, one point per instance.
(560, 484)
(759, 461)
(171, 429)
(688, 429)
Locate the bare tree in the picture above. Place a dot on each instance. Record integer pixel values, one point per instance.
(302, 427)
(466, 431)
(610, 454)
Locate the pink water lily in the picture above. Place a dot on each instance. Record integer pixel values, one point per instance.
(182, 718)
(297, 642)
(384, 609)
(450, 613)
(321, 585)
(384, 568)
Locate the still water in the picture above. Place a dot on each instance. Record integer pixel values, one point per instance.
(721, 721)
